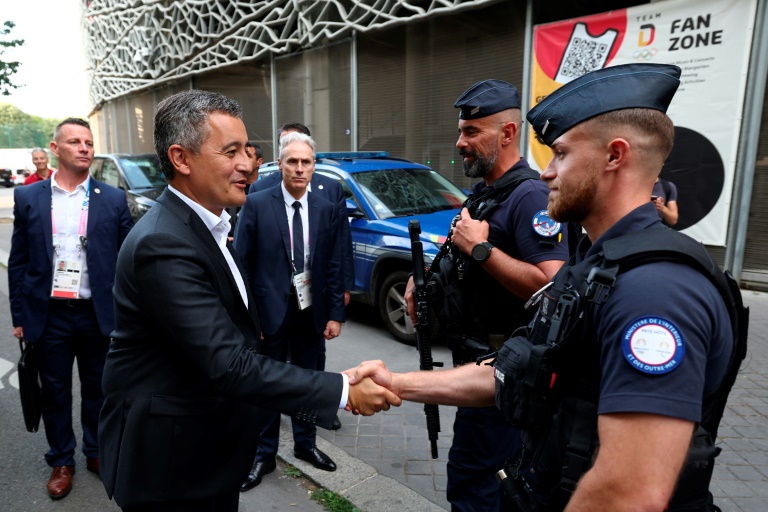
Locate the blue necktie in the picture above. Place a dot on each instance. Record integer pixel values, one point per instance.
(298, 238)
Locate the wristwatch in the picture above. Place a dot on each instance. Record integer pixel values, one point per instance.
(481, 252)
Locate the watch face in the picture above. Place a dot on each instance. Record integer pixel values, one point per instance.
(480, 252)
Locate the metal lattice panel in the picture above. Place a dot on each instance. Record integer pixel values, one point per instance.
(132, 44)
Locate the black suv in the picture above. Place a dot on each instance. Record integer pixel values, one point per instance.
(139, 175)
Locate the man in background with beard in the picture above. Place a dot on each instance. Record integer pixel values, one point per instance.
(506, 256)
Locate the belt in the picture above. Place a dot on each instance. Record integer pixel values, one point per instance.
(72, 303)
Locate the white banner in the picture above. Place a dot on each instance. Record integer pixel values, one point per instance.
(710, 40)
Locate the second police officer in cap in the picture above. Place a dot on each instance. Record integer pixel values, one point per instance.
(619, 384)
(502, 248)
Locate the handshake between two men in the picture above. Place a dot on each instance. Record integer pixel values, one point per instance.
(368, 397)
(374, 388)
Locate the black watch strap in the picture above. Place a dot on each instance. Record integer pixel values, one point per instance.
(481, 252)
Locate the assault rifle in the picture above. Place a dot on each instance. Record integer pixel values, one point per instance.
(422, 327)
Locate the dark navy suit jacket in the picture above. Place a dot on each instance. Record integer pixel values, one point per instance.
(329, 189)
(262, 241)
(30, 264)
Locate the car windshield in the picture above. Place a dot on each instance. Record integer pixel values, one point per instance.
(404, 192)
(142, 171)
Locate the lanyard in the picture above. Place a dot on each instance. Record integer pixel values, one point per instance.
(290, 237)
(83, 216)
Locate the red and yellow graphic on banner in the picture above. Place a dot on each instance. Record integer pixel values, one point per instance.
(710, 41)
(563, 49)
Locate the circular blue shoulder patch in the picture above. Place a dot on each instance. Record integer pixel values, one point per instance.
(653, 345)
(544, 225)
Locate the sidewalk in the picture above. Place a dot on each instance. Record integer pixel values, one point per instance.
(363, 483)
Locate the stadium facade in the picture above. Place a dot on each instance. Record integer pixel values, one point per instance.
(371, 75)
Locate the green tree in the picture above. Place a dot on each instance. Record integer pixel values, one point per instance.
(21, 130)
(8, 68)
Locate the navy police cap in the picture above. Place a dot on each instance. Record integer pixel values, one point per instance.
(604, 90)
(486, 98)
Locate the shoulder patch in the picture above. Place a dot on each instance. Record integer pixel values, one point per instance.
(544, 225)
(653, 345)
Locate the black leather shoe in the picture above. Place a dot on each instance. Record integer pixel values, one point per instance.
(257, 473)
(315, 457)
(336, 423)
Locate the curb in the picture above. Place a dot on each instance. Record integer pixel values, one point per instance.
(357, 481)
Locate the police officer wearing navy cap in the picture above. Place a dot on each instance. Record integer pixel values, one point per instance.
(610, 136)
(504, 258)
(639, 366)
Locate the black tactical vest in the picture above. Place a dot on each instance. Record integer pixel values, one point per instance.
(547, 381)
(462, 296)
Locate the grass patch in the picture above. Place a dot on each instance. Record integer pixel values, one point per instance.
(332, 502)
(292, 471)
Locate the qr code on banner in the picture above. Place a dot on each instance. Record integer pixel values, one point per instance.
(584, 53)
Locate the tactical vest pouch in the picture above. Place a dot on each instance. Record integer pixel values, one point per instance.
(443, 291)
(523, 383)
(445, 296)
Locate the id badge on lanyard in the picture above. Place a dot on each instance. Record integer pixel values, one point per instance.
(303, 283)
(67, 267)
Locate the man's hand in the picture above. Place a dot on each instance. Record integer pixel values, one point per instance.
(468, 232)
(409, 300)
(18, 332)
(667, 210)
(376, 370)
(347, 297)
(332, 329)
(366, 398)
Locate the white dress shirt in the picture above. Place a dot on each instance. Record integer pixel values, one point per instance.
(67, 210)
(288, 199)
(219, 228)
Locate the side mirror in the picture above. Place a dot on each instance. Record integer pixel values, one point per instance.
(353, 211)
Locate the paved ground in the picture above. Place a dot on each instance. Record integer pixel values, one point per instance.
(740, 482)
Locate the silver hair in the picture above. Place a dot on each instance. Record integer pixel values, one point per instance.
(297, 137)
(183, 119)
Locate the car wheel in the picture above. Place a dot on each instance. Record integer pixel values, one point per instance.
(393, 309)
